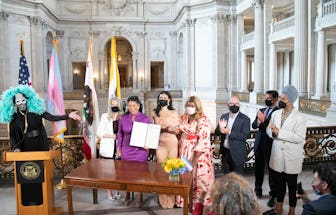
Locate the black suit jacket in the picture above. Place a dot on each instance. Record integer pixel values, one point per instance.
(325, 205)
(240, 131)
(261, 135)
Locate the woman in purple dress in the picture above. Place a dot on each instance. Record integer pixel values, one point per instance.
(124, 150)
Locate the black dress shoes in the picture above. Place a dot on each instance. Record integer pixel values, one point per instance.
(271, 212)
(258, 192)
(271, 202)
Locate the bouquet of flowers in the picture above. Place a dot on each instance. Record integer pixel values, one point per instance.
(174, 166)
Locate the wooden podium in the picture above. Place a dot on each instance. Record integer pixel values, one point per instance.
(48, 205)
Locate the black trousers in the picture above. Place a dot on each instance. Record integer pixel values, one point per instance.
(281, 179)
(262, 157)
(228, 164)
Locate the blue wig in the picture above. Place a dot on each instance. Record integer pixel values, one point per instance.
(7, 108)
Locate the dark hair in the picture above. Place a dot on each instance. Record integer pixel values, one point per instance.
(273, 93)
(170, 104)
(327, 172)
(134, 99)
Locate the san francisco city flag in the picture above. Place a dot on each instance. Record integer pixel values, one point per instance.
(114, 84)
(91, 111)
(55, 104)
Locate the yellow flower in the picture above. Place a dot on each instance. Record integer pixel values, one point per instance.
(173, 164)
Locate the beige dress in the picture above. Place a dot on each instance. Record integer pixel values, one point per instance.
(167, 147)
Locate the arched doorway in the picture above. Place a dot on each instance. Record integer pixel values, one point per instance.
(124, 60)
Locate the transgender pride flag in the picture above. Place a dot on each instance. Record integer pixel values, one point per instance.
(55, 104)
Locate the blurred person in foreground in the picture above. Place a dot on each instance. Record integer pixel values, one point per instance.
(288, 128)
(195, 145)
(263, 145)
(231, 194)
(234, 129)
(124, 150)
(324, 185)
(108, 129)
(165, 115)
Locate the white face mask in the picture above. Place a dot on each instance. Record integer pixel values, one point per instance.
(191, 110)
(20, 102)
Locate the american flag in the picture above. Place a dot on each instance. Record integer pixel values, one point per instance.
(24, 77)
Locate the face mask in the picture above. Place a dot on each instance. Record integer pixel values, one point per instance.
(268, 103)
(316, 189)
(20, 102)
(114, 109)
(191, 110)
(163, 102)
(282, 104)
(234, 108)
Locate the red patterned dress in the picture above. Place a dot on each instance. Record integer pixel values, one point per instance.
(196, 137)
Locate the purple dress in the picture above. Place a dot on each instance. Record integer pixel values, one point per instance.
(130, 153)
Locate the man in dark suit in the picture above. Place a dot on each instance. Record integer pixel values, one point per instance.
(324, 184)
(234, 129)
(263, 145)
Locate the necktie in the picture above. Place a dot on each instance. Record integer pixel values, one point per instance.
(268, 110)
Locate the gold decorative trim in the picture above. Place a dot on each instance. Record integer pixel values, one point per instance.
(314, 106)
(242, 96)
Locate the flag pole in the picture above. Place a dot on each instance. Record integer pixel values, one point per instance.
(62, 184)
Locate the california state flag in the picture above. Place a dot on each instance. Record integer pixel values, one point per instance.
(90, 111)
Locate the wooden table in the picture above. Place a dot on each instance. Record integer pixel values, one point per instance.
(146, 177)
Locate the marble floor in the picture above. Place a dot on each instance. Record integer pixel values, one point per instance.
(82, 200)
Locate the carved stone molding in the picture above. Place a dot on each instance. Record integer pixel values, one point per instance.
(258, 3)
(4, 16)
(218, 18)
(156, 34)
(158, 10)
(76, 9)
(118, 7)
(173, 34)
(59, 33)
(142, 34)
(189, 23)
(113, 4)
(35, 20)
(135, 55)
(231, 17)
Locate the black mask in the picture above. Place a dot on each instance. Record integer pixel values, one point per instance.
(163, 102)
(234, 108)
(282, 104)
(268, 103)
(114, 109)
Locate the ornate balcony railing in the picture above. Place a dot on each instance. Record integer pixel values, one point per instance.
(282, 24)
(329, 8)
(320, 146)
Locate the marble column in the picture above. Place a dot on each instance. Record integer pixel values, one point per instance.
(190, 56)
(259, 45)
(239, 54)
(301, 46)
(3, 46)
(267, 30)
(273, 68)
(320, 65)
(134, 69)
(38, 76)
(243, 71)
